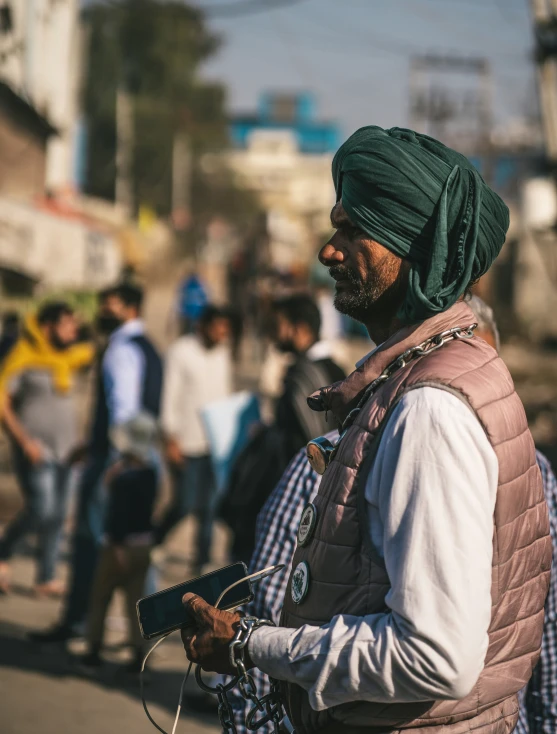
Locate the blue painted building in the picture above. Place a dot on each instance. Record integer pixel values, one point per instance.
(293, 112)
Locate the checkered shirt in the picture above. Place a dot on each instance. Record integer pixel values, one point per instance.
(538, 709)
(277, 527)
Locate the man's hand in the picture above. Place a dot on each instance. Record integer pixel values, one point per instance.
(174, 454)
(34, 451)
(207, 642)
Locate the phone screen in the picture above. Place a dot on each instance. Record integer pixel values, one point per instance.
(164, 611)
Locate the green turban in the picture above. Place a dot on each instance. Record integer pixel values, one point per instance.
(427, 204)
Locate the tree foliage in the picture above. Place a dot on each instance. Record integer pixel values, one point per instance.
(155, 48)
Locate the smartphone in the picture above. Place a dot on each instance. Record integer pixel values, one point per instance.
(164, 612)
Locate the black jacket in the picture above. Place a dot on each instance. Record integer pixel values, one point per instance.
(297, 421)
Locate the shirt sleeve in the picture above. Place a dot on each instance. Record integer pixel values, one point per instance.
(432, 489)
(123, 372)
(171, 404)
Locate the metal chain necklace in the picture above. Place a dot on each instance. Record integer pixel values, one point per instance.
(320, 451)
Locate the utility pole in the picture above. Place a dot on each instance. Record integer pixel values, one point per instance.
(125, 144)
(434, 105)
(181, 180)
(544, 13)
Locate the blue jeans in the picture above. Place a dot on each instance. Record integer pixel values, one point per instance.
(87, 541)
(194, 492)
(45, 488)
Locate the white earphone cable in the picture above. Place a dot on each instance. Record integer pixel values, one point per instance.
(254, 578)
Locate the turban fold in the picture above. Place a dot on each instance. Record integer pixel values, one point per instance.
(427, 204)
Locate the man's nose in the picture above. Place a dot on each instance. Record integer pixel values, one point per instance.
(330, 255)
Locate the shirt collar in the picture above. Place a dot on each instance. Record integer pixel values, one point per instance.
(128, 330)
(361, 361)
(320, 350)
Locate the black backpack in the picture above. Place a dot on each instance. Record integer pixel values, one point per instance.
(256, 472)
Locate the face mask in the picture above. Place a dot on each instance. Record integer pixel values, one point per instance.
(287, 346)
(58, 344)
(108, 324)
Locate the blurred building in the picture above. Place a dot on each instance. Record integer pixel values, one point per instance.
(40, 60)
(50, 237)
(24, 140)
(284, 153)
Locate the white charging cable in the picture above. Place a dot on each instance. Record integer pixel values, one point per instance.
(254, 578)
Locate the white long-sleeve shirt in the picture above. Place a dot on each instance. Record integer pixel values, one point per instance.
(123, 369)
(430, 501)
(194, 376)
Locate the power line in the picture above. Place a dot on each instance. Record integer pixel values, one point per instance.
(392, 45)
(246, 7)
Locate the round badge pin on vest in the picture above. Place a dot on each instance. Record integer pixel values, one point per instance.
(319, 453)
(300, 583)
(307, 524)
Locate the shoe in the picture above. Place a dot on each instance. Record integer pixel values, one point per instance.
(58, 634)
(134, 667)
(89, 664)
(54, 589)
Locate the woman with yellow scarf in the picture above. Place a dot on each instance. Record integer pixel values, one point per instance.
(38, 414)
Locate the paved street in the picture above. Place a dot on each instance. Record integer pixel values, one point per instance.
(41, 690)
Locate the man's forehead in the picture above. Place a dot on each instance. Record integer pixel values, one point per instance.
(339, 216)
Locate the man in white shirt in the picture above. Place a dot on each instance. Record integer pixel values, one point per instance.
(198, 371)
(416, 597)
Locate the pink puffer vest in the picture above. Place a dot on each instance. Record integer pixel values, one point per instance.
(348, 578)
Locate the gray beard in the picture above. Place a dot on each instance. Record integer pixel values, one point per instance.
(370, 301)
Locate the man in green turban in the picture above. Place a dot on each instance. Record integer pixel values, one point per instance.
(415, 601)
(423, 203)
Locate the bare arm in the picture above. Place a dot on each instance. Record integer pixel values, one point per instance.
(15, 429)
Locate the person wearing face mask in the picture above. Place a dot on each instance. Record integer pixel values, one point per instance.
(129, 384)
(38, 414)
(297, 332)
(297, 326)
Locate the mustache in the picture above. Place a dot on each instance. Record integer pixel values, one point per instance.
(342, 272)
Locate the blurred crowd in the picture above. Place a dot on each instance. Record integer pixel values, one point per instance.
(176, 419)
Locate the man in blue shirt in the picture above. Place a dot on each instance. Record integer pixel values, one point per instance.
(129, 382)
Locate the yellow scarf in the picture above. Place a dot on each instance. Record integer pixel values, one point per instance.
(34, 351)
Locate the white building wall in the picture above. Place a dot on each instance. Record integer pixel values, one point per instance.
(41, 59)
(32, 241)
(296, 189)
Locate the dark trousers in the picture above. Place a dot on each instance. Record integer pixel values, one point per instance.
(86, 542)
(194, 491)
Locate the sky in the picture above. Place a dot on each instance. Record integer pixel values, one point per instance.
(355, 54)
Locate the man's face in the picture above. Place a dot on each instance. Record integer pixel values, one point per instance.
(64, 331)
(112, 313)
(285, 334)
(370, 280)
(217, 331)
